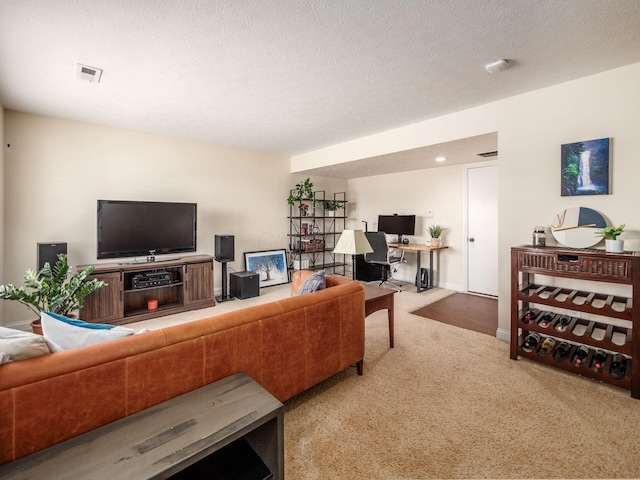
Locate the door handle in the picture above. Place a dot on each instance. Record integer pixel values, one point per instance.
(472, 239)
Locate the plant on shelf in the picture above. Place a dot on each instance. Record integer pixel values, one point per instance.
(332, 206)
(611, 233)
(612, 243)
(52, 290)
(436, 231)
(302, 191)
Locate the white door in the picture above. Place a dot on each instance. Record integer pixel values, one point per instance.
(482, 228)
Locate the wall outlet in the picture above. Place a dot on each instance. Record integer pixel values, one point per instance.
(429, 214)
(444, 224)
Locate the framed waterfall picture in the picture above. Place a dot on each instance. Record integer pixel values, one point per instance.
(270, 265)
(585, 168)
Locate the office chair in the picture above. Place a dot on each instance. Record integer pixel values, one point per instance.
(381, 256)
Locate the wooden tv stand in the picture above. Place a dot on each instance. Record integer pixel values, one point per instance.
(184, 283)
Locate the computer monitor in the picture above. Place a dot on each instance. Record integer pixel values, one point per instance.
(397, 225)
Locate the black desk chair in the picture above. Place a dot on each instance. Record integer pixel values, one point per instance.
(390, 264)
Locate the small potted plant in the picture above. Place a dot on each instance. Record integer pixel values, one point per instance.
(52, 290)
(612, 243)
(302, 191)
(436, 231)
(331, 206)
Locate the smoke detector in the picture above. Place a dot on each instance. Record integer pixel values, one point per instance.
(91, 74)
(497, 66)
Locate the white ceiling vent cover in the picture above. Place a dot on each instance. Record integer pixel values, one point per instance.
(85, 72)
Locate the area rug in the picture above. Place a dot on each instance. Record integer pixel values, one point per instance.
(473, 312)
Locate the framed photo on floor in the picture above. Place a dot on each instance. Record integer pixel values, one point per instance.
(270, 265)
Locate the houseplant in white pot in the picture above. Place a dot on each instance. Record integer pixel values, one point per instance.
(611, 241)
(436, 231)
(52, 290)
(331, 207)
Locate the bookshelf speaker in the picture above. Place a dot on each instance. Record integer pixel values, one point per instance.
(48, 253)
(224, 248)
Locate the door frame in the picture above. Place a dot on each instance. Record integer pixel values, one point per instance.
(465, 214)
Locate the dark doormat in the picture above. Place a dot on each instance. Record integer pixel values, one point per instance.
(472, 312)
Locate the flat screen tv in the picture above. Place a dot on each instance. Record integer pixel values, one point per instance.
(397, 225)
(133, 228)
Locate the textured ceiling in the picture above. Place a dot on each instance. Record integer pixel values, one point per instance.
(292, 76)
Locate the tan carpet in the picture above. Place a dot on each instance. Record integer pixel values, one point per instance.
(449, 403)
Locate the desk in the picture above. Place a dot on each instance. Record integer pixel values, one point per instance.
(379, 298)
(419, 249)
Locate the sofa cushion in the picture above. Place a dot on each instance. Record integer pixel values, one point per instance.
(67, 333)
(16, 345)
(315, 282)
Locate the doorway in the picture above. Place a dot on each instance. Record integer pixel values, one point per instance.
(481, 189)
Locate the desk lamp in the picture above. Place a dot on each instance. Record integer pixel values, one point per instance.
(353, 242)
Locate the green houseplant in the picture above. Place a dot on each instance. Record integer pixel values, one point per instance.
(302, 191)
(612, 243)
(332, 206)
(436, 231)
(52, 290)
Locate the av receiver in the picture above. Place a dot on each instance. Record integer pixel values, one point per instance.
(151, 279)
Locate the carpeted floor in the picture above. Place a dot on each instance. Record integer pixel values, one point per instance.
(472, 312)
(449, 403)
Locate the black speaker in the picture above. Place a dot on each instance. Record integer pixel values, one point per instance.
(224, 250)
(244, 285)
(48, 253)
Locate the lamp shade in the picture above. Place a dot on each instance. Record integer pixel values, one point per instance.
(352, 242)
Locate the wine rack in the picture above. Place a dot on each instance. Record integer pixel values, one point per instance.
(547, 310)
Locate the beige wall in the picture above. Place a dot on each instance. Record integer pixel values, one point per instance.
(56, 170)
(531, 128)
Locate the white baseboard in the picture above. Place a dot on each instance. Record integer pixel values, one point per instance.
(502, 334)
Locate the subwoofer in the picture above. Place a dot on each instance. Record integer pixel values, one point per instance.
(48, 253)
(224, 249)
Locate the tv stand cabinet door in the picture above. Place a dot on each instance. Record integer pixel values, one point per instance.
(104, 305)
(198, 282)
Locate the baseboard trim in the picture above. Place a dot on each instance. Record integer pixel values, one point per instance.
(502, 334)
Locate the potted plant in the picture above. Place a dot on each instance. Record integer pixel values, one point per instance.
(302, 191)
(435, 231)
(331, 206)
(612, 243)
(52, 290)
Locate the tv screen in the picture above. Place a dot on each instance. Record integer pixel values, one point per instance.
(133, 228)
(397, 225)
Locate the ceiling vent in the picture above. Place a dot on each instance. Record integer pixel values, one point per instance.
(488, 154)
(91, 74)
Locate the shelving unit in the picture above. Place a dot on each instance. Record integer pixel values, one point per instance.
(189, 286)
(312, 237)
(616, 327)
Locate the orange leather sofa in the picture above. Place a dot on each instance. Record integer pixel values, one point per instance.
(287, 346)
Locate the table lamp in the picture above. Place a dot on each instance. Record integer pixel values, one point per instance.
(353, 242)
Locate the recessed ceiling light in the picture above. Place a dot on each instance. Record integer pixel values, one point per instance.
(497, 66)
(440, 159)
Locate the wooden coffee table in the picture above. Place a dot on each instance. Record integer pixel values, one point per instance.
(379, 298)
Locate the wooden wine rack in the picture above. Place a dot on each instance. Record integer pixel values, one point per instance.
(584, 264)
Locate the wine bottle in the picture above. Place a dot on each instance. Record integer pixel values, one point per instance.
(546, 319)
(561, 353)
(531, 342)
(530, 315)
(598, 361)
(563, 323)
(547, 346)
(618, 366)
(579, 357)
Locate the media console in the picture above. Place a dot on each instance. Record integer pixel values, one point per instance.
(178, 285)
